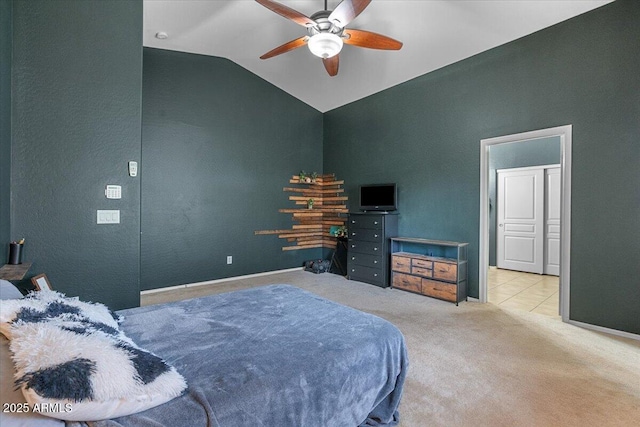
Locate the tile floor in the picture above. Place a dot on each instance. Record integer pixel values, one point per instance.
(525, 291)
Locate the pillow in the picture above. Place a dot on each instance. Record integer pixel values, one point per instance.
(72, 359)
(8, 291)
(49, 305)
(15, 411)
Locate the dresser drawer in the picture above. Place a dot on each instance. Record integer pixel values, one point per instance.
(400, 263)
(422, 263)
(445, 271)
(440, 290)
(424, 272)
(362, 247)
(374, 276)
(374, 261)
(407, 282)
(365, 221)
(368, 234)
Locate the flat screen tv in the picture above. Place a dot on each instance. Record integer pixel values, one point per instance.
(378, 197)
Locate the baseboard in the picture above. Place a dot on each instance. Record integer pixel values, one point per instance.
(596, 328)
(213, 282)
(472, 299)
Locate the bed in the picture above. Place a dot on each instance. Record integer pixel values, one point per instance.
(270, 356)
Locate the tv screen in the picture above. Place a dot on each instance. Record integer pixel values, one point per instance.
(378, 197)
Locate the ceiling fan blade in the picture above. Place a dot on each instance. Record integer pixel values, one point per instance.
(288, 13)
(293, 44)
(331, 65)
(370, 40)
(347, 11)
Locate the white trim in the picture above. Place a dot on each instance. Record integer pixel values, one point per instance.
(564, 132)
(597, 328)
(565, 223)
(472, 299)
(528, 168)
(216, 281)
(168, 288)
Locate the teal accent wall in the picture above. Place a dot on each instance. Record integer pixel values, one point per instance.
(543, 151)
(425, 135)
(77, 85)
(6, 38)
(218, 146)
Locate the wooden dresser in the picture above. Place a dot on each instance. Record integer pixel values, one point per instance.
(368, 249)
(433, 268)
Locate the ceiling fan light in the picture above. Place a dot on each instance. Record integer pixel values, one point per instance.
(325, 45)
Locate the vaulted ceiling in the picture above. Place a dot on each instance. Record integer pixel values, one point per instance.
(435, 33)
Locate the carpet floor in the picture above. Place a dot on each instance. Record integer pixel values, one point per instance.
(481, 365)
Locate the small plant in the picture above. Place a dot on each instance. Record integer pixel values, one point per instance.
(314, 176)
(303, 177)
(310, 204)
(341, 232)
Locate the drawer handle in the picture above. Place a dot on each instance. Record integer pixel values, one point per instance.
(353, 246)
(442, 270)
(375, 222)
(375, 249)
(375, 274)
(375, 262)
(375, 235)
(353, 233)
(353, 258)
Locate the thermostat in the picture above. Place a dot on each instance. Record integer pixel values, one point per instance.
(113, 192)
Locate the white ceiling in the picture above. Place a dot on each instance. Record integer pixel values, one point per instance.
(435, 33)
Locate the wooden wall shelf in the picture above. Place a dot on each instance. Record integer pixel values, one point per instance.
(311, 226)
(14, 271)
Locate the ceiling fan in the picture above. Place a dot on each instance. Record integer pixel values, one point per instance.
(327, 33)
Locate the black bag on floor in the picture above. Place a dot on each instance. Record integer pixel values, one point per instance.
(317, 266)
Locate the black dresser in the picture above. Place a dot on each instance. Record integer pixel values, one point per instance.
(369, 247)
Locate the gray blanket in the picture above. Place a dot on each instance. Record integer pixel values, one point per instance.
(273, 356)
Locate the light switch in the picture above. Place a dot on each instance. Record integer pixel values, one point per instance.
(108, 216)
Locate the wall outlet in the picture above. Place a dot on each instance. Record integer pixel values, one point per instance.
(229, 259)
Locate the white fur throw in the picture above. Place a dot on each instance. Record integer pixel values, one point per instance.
(72, 356)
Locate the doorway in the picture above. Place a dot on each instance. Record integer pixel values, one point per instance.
(564, 134)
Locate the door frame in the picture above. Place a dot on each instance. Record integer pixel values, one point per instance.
(564, 132)
(548, 172)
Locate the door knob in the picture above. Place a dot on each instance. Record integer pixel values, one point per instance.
(499, 225)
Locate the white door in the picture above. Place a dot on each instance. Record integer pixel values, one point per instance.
(552, 222)
(520, 231)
